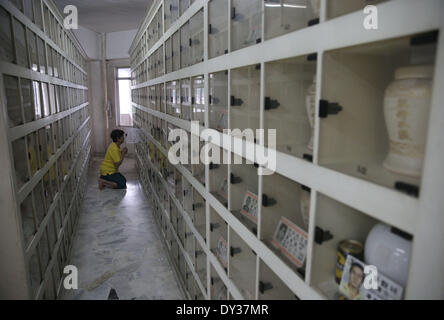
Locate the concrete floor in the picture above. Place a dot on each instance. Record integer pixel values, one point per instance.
(118, 245)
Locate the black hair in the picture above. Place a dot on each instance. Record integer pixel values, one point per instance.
(117, 134)
(355, 264)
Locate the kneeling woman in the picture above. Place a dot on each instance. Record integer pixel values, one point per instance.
(110, 176)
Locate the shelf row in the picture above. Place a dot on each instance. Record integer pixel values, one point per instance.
(372, 125)
(49, 215)
(29, 100)
(43, 16)
(241, 19)
(280, 219)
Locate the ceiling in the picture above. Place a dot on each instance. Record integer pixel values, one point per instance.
(109, 15)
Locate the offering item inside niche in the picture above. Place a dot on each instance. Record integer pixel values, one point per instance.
(406, 110)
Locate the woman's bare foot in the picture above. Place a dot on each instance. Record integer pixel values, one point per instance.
(108, 184)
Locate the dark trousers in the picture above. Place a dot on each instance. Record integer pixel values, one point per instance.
(117, 178)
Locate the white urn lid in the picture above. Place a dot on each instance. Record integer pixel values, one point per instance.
(415, 72)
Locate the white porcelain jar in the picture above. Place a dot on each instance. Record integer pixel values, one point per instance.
(310, 104)
(316, 7)
(406, 110)
(389, 252)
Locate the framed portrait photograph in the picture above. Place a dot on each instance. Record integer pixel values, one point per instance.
(354, 286)
(249, 206)
(291, 241)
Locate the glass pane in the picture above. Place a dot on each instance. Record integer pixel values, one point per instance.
(52, 101)
(185, 45)
(44, 251)
(20, 162)
(46, 17)
(218, 100)
(17, 3)
(6, 51)
(184, 4)
(198, 100)
(50, 61)
(45, 99)
(27, 100)
(38, 14)
(176, 51)
(34, 272)
(218, 28)
(282, 18)
(196, 35)
(33, 50)
(28, 9)
(28, 224)
(33, 153)
(246, 23)
(13, 101)
(37, 101)
(42, 59)
(124, 73)
(20, 43)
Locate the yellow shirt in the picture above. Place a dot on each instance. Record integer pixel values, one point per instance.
(113, 155)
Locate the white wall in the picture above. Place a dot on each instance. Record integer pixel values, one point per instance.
(90, 42)
(118, 44)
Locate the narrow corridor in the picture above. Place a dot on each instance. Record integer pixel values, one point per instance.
(118, 245)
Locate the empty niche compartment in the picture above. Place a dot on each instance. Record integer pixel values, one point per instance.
(189, 246)
(242, 267)
(284, 220)
(217, 28)
(375, 110)
(182, 266)
(13, 107)
(186, 98)
(342, 230)
(171, 12)
(173, 98)
(185, 45)
(184, 4)
(198, 170)
(198, 99)
(219, 238)
(218, 103)
(341, 7)
(290, 103)
(19, 153)
(201, 265)
(271, 287)
(282, 18)
(244, 193)
(196, 38)
(245, 98)
(218, 289)
(190, 283)
(168, 55)
(219, 176)
(187, 195)
(246, 23)
(176, 50)
(178, 185)
(199, 217)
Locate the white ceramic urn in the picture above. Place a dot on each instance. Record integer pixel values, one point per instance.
(389, 252)
(406, 111)
(316, 7)
(310, 104)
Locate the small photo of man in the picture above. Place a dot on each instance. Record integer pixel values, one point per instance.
(281, 233)
(352, 279)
